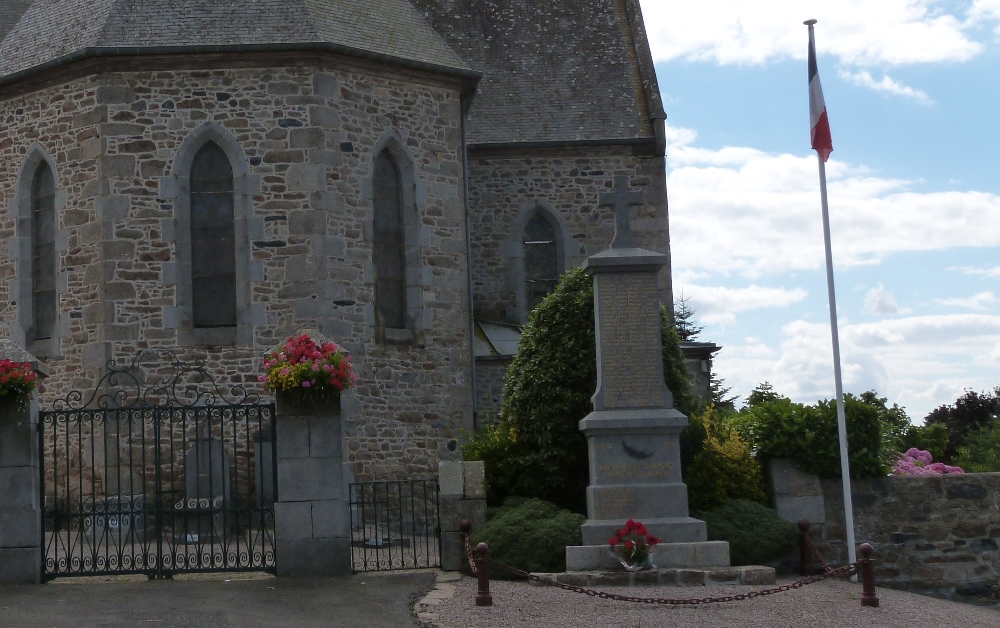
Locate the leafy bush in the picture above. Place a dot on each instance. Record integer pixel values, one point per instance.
(970, 412)
(779, 428)
(496, 445)
(547, 390)
(756, 535)
(723, 468)
(530, 534)
(981, 451)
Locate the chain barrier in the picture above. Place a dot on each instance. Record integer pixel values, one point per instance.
(840, 572)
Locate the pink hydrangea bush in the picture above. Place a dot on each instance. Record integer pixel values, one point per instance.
(919, 462)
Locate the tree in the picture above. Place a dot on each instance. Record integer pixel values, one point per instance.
(763, 393)
(683, 315)
(971, 411)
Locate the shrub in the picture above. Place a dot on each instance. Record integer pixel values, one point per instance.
(981, 451)
(496, 445)
(756, 535)
(530, 534)
(724, 468)
(547, 391)
(779, 428)
(919, 462)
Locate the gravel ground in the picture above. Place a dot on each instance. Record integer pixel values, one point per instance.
(826, 603)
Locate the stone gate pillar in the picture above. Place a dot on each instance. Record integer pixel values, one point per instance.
(20, 488)
(312, 517)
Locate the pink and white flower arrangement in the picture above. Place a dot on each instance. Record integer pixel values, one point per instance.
(919, 462)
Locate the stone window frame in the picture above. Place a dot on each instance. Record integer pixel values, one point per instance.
(412, 193)
(22, 211)
(176, 188)
(566, 248)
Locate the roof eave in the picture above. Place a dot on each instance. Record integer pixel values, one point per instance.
(469, 76)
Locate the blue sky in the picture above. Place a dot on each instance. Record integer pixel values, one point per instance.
(911, 88)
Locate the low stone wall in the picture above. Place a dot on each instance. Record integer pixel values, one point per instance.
(937, 535)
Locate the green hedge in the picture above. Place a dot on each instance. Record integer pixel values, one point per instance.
(529, 534)
(756, 535)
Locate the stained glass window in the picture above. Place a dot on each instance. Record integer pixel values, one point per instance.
(43, 253)
(213, 240)
(541, 262)
(390, 243)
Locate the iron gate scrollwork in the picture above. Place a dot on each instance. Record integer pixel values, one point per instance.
(395, 525)
(157, 471)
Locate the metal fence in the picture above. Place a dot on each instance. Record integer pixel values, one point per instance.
(394, 525)
(141, 479)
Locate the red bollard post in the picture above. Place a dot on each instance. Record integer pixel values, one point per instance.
(483, 596)
(866, 565)
(805, 556)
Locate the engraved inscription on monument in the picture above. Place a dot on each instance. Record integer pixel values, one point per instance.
(630, 341)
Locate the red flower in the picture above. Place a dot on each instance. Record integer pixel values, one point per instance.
(629, 544)
(614, 541)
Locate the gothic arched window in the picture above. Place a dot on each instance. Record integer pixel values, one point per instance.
(213, 239)
(43, 253)
(389, 243)
(541, 260)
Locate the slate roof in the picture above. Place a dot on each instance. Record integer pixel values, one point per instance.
(554, 70)
(10, 13)
(51, 29)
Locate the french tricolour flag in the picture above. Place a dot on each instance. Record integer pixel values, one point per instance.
(818, 121)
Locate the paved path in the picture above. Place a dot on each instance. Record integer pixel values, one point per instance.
(369, 601)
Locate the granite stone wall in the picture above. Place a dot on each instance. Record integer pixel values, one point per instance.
(568, 181)
(937, 535)
(489, 388)
(306, 136)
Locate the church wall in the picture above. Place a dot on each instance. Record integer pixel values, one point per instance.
(568, 181)
(60, 126)
(307, 137)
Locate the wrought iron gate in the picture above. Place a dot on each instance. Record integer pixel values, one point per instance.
(394, 525)
(157, 472)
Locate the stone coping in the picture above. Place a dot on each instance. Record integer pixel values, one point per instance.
(748, 574)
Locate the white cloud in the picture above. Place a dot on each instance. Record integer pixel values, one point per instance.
(887, 85)
(746, 212)
(858, 32)
(980, 301)
(718, 305)
(881, 301)
(984, 11)
(990, 273)
(919, 362)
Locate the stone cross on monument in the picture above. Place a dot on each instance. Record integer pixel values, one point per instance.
(621, 200)
(633, 432)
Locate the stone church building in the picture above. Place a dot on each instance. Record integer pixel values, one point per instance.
(409, 177)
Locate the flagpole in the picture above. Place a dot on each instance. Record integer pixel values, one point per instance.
(845, 470)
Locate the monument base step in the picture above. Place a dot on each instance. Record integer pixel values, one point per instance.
(694, 577)
(665, 555)
(672, 530)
